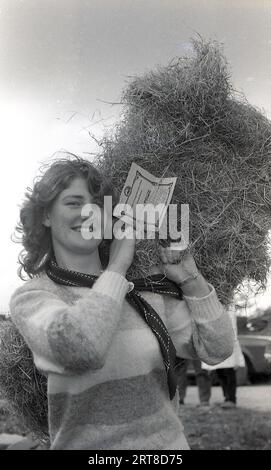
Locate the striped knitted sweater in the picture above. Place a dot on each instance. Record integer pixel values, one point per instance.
(107, 385)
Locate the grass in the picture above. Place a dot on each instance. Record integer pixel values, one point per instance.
(231, 429)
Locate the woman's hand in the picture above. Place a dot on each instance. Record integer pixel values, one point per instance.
(177, 265)
(181, 268)
(122, 252)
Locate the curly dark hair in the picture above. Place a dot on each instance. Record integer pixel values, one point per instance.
(35, 237)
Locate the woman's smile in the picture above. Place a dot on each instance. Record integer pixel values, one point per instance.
(81, 229)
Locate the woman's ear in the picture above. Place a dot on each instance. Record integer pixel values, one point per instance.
(46, 220)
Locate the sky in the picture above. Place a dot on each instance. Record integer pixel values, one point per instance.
(64, 62)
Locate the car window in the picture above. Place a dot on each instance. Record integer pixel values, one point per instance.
(254, 325)
(257, 324)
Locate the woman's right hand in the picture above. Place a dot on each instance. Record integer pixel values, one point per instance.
(122, 252)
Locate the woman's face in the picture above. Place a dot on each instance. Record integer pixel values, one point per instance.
(65, 220)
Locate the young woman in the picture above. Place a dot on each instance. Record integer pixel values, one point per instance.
(107, 354)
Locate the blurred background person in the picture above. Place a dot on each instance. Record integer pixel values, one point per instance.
(203, 380)
(226, 370)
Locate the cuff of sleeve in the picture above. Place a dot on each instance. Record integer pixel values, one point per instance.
(205, 308)
(112, 284)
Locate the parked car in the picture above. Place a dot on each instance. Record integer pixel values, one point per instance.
(254, 335)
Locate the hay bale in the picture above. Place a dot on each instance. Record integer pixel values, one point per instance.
(21, 383)
(186, 120)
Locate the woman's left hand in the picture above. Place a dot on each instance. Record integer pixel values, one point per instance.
(176, 265)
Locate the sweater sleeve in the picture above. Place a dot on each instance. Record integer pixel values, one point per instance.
(67, 338)
(200, 328)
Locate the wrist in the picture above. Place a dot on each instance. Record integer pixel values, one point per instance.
(197, 287)
(117, 269)
(188, 279)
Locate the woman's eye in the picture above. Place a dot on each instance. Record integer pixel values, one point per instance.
(77, 204)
